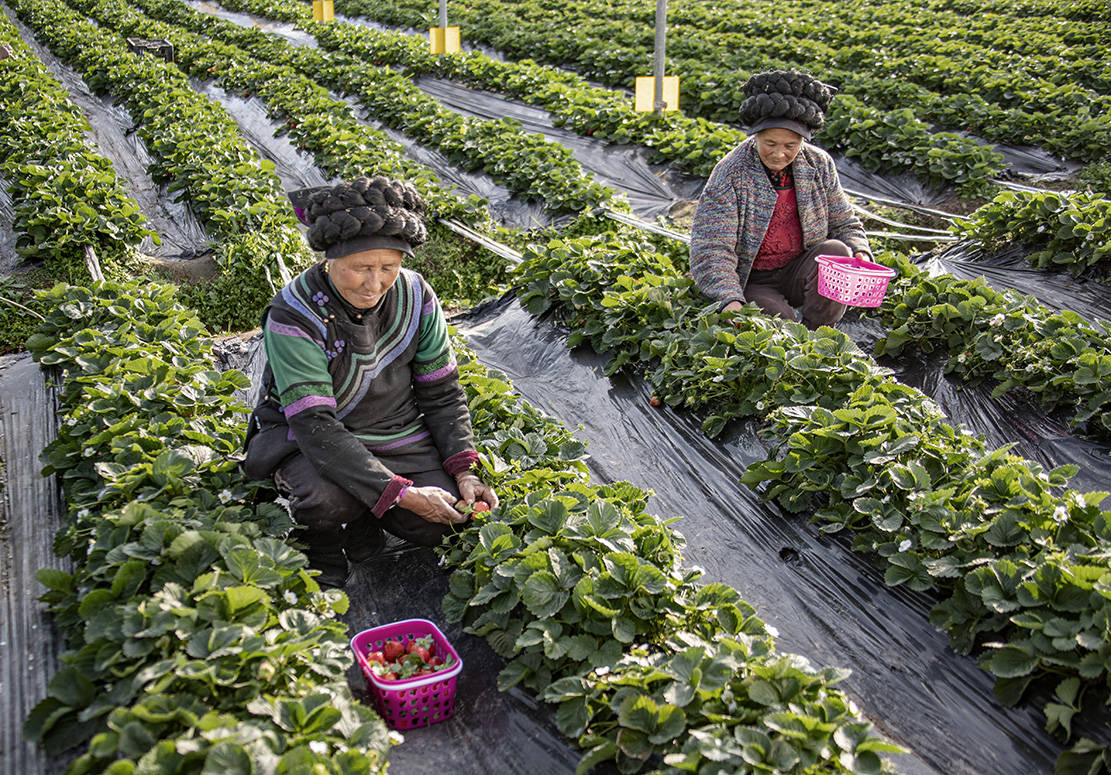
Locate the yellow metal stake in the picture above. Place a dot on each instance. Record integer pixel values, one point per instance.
(323, 10)
(443, 39)
(658, 92)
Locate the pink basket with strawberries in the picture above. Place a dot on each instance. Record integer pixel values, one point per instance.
(410, 669)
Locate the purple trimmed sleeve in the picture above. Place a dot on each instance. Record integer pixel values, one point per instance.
(397, 487)
(460, 462)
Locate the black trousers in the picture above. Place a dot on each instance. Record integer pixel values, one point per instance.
(329, 512)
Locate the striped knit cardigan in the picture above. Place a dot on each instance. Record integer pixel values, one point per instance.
(737, 205)
(365, 395)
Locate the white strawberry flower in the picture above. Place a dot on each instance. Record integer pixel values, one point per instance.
(289, 597)
(603, 670)
(396, 737)
(771, 629)
(318, 747)
(906, 544)
(1060, 515)
(225, 495)
(997, 320)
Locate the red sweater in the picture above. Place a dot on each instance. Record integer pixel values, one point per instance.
(783, 239)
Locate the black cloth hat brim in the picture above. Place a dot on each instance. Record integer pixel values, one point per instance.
(373, 242)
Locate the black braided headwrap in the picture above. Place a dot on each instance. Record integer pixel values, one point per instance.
(788, 96)
(361, 214)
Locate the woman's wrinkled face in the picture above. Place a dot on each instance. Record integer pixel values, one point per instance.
(778, 147)
(363, 278)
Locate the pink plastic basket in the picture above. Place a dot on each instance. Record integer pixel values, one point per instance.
(414, 702)
(852, 281)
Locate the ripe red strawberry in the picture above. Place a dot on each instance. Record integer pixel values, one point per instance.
(435, 662)
(655, 401)
(393, 650)
(420, 651)
(376, 656)
(481, 506)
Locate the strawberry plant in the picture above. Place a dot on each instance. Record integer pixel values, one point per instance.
(65, 195)
(885, 55)
(196, 637)
(1060, 357)
(1069, 230)
(198, 152)
(1005, 543)
(526, 163)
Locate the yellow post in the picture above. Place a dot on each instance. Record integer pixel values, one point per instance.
(443, 40)
(323, 10)
(646, 93)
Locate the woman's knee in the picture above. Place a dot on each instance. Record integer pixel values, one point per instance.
(315, 501)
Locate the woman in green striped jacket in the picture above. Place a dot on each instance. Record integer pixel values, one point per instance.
(361, 419)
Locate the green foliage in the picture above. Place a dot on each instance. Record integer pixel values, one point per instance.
(16, 323)
(65, 196)
(585, 594)
(253, 267)
(1061, 358)
(197, 151)
(1097, 177)
(462, 272)
(525, 163)
(1069, 230)
(197, 640)
(691, 144)
(1020, 562)
(251, 62)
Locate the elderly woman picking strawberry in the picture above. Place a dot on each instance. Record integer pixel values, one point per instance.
(772, 205)
(361, 419)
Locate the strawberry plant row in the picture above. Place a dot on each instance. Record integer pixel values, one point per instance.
(1052, 51)
(314, 121)
(65, 195)
(1021, 562)
(197, 151)
(196, 639)
(1069, 230)
(1001, 96)
(525, 163)
(690, 144)
(1063, 359)
(891, 141)
(585, 594)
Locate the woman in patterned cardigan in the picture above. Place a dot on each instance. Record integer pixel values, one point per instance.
(361, 419)
(772, 205)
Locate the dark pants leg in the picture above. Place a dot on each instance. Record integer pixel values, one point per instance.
(323, 508)
(779, 291)
(336, 521)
